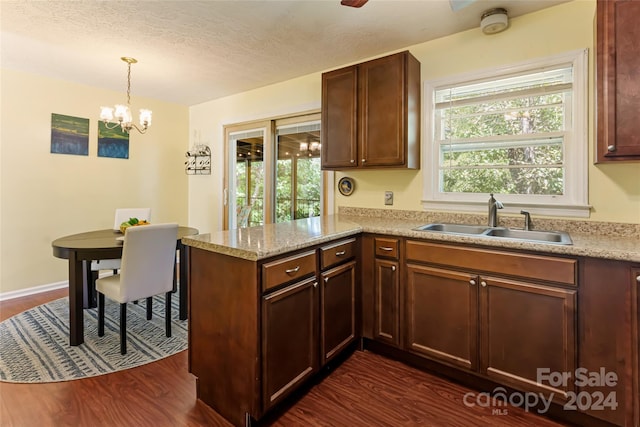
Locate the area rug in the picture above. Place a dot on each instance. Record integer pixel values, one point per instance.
(34, 345)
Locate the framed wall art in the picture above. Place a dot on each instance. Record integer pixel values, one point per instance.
(112, 142)
(69, 135)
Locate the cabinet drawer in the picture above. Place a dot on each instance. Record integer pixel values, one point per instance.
(333, 254)
(386, 247)
(284, 270)
(535, 267)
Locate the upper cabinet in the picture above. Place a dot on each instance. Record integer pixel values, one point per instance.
(371, 114)
(618, 88)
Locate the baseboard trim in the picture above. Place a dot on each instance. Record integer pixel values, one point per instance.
(34, 290)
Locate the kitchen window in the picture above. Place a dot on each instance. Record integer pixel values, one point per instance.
(519, 132)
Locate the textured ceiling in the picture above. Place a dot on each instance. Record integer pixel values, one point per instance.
(194, 51)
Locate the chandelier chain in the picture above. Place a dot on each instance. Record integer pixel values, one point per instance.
(128, 84)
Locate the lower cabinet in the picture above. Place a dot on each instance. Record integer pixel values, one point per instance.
(338, 309)
(387, 301)
(506, 329)
(386, 318)
(289, 339)
(442, 315)
(609, 340)
(527, 332)
(259, 329)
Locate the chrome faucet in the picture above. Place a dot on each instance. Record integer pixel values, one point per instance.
(527, 220)
(494, 205)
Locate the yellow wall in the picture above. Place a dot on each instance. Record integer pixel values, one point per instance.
(614, 190)
(45, 196)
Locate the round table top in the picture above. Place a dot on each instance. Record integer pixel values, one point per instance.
(99, 240)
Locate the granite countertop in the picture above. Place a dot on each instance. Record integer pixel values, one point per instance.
(597, 240)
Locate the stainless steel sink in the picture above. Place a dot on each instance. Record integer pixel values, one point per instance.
(559, 237)
(454, 228)
(555, 237)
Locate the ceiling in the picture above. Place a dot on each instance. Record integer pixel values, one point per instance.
(190, 52)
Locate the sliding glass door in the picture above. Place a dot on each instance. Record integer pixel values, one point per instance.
(246, 178)
(298, 173)
(273, 171)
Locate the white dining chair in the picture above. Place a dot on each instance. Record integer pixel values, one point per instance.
(122, 215)
(148, 258)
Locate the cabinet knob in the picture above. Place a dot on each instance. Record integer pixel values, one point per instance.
(326, 280)
(364, 160)
(352, 161)
(315, 284)
(393, 268)
(483, 284)
(472, 282)
(292, 270)
(611, 148)
(638, 278)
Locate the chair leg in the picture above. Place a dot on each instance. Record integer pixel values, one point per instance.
(123, 329)
(149, 308)
(91, 289)
(167, 313)
(100, 314)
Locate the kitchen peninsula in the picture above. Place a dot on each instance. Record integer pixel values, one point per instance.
(272, 305)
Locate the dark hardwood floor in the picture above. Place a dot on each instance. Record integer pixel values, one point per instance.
(366, 390)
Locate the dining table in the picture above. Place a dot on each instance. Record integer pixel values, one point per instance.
(80, 249)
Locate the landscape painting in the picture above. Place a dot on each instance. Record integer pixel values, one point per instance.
(112, 142)
(69, 135)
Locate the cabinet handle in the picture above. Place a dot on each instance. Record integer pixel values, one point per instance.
(611, 148)
(326, 280)
(472, 282)
(341, 253)
(393, 268)
(385, 248)
(315, 284)
(483, 284)
(292, 270)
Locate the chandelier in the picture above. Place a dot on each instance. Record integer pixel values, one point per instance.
(309, 147)
(122, 113)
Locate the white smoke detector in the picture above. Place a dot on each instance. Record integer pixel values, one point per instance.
(494, 21)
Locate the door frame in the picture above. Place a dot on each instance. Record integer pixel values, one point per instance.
(269, 124)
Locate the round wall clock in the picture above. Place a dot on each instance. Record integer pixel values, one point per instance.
(346, 186)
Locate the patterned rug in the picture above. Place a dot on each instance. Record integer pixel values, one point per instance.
(34, 345)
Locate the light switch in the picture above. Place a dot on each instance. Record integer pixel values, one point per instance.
(388, 197)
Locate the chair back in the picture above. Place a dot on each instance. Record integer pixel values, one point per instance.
(243, 216)
(123, 214)
(148, 259)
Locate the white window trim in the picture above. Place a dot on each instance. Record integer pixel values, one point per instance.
(575, 151)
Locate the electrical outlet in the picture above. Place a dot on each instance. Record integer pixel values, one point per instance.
(388, 197)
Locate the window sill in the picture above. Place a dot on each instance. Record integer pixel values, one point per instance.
(576, 211)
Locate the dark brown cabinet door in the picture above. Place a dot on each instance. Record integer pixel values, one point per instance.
(608, 336)
(338, 309)
(525, 327)
(289, 339)
(339, 118)
(442, 315)
(382, 113)
(371, 114)
(387, 302)
(618, 86)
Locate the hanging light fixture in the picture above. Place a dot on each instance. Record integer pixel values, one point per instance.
(122, 113)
